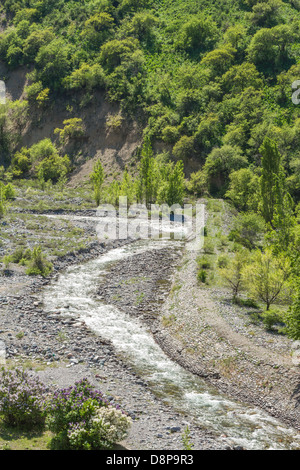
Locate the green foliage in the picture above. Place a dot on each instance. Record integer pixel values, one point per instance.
(2, 200)
(20, 254)
(219, 60)
(86, 77)
(53, 63)
(218, 166)
(232, 274)
(53, 168)
(9, 192)
(248, 229)
(38, 266)
(97, 178)
(272, 318)
(197, 34)
(267, 276)
(82, 419)
(244, 189)
(21, 163)
(292, 317)
(114, 52)
(272, 179)
(73, 129)
(22, 399)
(202, 276)
(97, 29)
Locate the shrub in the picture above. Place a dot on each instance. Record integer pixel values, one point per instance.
(86, 77)
(292, 317)
(204, 262)
(233, 273)
(2, 200)
(223, 261)
(107, 427)
(271, 318)
(97, 178)
(39, 266)
(53, 168)
(9, 192)
(114, 121)
(20, 254)
(73, 129)
(82, 418)
(219, 164)
(21, 163)
(202, 276)
(22, 399)
(209, 246)
(248, 229)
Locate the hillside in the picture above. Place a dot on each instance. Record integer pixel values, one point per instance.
(164, 102)
(192, 75)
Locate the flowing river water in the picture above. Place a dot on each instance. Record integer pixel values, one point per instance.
(74, 293)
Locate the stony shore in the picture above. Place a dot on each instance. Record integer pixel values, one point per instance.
(194, 326)
(61, 351)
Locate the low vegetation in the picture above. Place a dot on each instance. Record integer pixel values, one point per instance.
(77, 418)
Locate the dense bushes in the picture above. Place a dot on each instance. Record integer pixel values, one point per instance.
(204, 77)
(80, 417)
(21, 399)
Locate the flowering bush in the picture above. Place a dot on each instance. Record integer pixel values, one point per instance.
(83, 419)
(21, 399)
(107, 426)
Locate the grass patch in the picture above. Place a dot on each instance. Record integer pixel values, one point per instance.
(16, 439)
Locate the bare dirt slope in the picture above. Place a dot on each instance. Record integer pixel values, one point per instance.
(114, 147)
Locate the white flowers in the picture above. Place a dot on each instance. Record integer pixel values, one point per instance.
(106, 427)
(112, 423)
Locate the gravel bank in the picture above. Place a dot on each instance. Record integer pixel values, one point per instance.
(192, 326)
(62, 350)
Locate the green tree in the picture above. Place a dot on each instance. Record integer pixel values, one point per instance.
(198, 34)
(267, 276)
(115, 51)
(292, 316)
(97, 177)
(53, 63)
(147, 178)
(266, 13)
(219, 60)
(248, 229)
(174, 188)
(53, 168)
(35, 41)
(272, 179)
(244, 189)
(233, 273)
(240, 77)
(218, 166)
(86, 77)
(73, 129)
(184, 148)
(97, 29)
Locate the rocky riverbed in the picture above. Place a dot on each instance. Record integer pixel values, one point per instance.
(160, 288)
(62, 350)
(188, 323)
